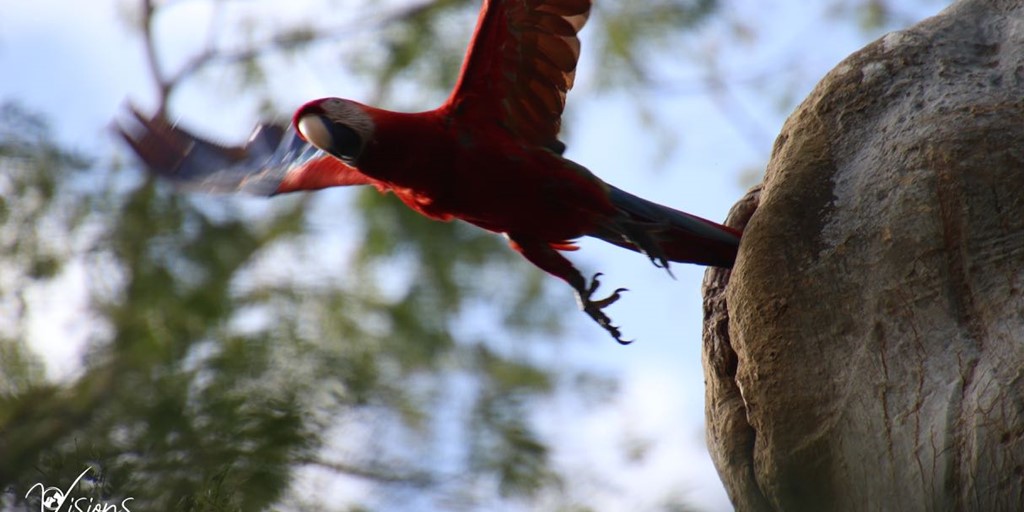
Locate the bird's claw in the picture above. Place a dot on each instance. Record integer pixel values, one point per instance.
(594, 308)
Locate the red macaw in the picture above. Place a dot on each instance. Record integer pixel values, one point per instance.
(490, 155)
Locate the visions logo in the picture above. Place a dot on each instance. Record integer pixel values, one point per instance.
(53, 499)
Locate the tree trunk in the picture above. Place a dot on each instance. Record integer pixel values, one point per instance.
(867, 351)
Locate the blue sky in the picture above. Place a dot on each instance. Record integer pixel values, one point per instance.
(77, 62)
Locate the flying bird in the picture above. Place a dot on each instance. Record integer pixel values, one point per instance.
(490, 155)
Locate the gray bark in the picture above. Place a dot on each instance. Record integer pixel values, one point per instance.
(867, 351)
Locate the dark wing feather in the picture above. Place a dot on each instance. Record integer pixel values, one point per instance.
(273, 160)
(520, 65)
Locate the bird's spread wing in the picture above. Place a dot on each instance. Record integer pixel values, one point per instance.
(274, 160)
(520, 65)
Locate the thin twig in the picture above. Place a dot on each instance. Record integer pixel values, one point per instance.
(286, 39)
(153, 58)
(375, 473)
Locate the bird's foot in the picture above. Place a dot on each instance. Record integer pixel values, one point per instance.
(594, 308)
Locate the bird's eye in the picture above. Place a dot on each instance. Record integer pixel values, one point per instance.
(347, 142)
(337, 139)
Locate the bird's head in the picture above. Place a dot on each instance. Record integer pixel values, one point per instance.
(340, 127)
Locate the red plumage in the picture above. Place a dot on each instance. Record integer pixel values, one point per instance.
(489, 155)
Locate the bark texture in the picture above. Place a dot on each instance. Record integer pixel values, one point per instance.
(867, 351)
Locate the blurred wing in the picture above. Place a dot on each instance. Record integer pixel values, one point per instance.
(520, 65)
(273, 161)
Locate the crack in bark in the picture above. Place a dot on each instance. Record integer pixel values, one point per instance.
(952, 212)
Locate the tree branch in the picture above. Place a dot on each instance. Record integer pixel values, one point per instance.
(376, 472)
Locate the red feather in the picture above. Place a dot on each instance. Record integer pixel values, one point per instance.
(520, 65)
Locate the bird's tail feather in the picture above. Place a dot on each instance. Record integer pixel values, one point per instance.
(665, 234)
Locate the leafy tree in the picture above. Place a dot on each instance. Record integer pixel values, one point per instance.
(227, 354)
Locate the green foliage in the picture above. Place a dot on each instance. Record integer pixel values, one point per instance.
(423, 45)
(631, 30)
(33, 232)
(183, 409)
(210, 381)
(872, 15)
(150, 407)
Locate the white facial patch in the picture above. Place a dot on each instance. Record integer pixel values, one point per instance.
(314, 130)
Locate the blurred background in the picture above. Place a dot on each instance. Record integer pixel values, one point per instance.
(334, 351)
